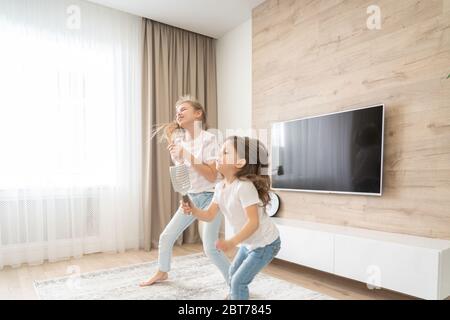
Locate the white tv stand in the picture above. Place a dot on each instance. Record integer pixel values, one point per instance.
(412, 265)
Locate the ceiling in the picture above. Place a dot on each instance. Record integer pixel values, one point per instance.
(209, 17)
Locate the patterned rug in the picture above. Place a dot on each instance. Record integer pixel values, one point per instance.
(192, 277)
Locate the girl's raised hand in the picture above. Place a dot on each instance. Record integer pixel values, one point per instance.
(176, 151)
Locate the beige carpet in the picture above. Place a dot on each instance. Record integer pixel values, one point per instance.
(192, 277)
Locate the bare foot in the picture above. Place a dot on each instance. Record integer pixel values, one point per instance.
(158, 277)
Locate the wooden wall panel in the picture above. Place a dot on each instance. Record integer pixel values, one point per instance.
(317, 56)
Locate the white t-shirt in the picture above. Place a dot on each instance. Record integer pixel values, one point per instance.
(233, 199)
(204, 148)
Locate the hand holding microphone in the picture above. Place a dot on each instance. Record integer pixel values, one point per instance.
(186, 207)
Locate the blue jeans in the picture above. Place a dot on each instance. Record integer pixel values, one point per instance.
(180, 222)
(246, 266)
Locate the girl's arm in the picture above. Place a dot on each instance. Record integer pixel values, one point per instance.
(249, 228)
(204, 215)
(207, 170)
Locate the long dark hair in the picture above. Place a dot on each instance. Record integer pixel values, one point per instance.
(256, 166)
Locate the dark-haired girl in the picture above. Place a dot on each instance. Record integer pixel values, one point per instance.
(242, 197)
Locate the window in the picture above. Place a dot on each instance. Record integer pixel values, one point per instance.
(58, 123)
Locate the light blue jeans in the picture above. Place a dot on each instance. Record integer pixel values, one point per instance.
(246, 266)
(180, 222)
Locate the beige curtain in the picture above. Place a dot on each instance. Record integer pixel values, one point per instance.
(176, 62)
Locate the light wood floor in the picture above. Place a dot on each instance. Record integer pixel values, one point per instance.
(18, 283)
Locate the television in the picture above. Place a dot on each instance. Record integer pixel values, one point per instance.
(339, 152)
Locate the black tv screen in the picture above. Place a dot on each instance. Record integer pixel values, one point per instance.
(334, 153)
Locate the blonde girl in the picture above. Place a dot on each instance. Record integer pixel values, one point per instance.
(191, 144)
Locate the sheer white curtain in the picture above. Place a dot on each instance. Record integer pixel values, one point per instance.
(70, 130)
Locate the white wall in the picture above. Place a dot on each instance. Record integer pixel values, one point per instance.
(234, 78)
(234, 82)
